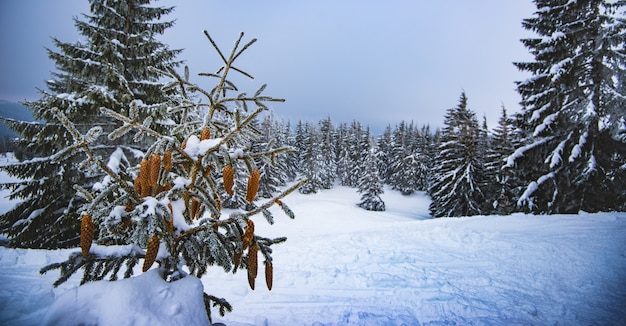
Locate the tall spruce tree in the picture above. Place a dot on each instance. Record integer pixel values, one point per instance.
(115, 64)
(573, 108)
(166, 211)
(458, 169)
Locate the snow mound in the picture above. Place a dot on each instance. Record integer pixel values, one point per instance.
(144, 300)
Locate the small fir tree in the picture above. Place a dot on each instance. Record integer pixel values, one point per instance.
(168, 209)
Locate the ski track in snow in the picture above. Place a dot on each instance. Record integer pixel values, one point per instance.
(343, 265)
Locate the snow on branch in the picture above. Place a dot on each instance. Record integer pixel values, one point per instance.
(555, 157)
(510, 160)
(532, 187)
(545, 124)
(578, 148)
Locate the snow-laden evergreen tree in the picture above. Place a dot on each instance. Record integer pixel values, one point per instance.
(427, 147)
(311, 159)
(358, 152)
(352, 154)
(573, 108)
(344, 160)
(301, 135)
(500, 187)
(113, 65)
(383, 154)
(407, 170)
(291, 160)
(327, 144)
(398, 151)
(484, 139)
(459, 170)
(168, 209)
(370, 186)
(422, 160)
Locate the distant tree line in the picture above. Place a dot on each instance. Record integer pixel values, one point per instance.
(460, 166)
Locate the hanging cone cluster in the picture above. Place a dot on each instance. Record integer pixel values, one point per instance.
(248, 242)
(169, 222)
(194, 209)
(151, 253)
(253, 266)
(192, 206)
(155, 168)
(86, 234)
(147, 182)
(206, 134)
(269, 274)
(167, 161)
(253, 185)
(228, 179)
(248, 234)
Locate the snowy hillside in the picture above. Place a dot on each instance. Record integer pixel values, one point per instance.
(343, 265)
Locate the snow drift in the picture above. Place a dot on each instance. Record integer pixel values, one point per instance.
(144, 300)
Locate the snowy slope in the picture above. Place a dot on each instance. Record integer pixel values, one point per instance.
(343, 265)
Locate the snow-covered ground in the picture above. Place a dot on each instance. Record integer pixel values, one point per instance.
(343, 265)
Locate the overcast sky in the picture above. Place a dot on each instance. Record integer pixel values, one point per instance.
(378, 62)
